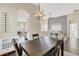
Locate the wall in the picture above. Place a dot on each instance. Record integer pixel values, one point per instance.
(73, 18)
(62, 20)
(32, 23)
(12, 20)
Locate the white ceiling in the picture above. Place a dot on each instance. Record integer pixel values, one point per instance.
(58, 9)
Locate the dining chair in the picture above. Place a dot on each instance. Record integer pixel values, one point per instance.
(25, 35)
(35, 36)
(56, 50)
(25, 38)
(56, 34)
(24, 51)
(18, 48)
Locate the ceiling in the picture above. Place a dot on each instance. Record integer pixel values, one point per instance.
(58, 9)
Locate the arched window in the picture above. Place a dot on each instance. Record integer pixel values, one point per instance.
(22, 17)
(44, 25)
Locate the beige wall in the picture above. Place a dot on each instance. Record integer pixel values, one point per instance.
(33, 25)
(11, 22)
(72, 18)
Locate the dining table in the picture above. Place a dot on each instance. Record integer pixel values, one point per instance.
(41, 46)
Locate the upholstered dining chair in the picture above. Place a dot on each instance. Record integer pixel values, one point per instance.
(20, 51)
(35, 36)
(56, 51)
(18, 48)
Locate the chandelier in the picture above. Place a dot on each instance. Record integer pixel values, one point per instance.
(39, 13)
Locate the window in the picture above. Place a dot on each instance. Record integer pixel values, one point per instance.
(22, 17)
(56, 27)
(73, 30)
(44, 25)
(22, 26)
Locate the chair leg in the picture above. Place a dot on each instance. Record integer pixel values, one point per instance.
(58, 53)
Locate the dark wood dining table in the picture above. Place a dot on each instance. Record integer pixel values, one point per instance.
(40, 47)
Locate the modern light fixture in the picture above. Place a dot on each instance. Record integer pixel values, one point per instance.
(39, 13)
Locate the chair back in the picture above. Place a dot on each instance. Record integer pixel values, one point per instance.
(35, 36)
(57, 48)
(18, 49)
